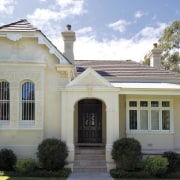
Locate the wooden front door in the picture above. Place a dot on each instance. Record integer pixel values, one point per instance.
(90, 121)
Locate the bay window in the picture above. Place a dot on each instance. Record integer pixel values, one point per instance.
(149, 115)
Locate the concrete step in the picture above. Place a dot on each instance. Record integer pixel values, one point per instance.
(90, 169)
(90, 159)
(90, 162)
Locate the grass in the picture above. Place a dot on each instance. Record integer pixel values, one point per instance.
(29, 178)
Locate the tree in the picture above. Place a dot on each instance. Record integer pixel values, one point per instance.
(170, 44)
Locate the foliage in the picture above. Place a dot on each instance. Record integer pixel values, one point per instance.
(63, 173)
(174, 161)
(52, 154)
(126, 153)
(25, 165)
(156, 166)
(119, 173)
(146, 60)
(170, 44)
(7, 160)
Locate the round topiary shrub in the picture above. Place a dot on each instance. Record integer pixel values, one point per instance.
(126, 153)
(156, 166)
(26, 165)
(173, 159)
(52, 154)
(7, 160)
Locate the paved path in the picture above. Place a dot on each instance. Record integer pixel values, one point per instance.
(89, 176)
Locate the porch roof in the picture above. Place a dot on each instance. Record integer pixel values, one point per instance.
(167, 86)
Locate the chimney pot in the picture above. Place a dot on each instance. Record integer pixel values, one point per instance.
(155, 45)
(68, 27)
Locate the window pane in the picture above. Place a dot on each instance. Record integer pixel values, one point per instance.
(154, 104)
(166, 120)
(144, 104)
(143, 119)
(132, 103)
(28, 91)
(4, 101)
(28, 101)
(155, 120)
(133, 119)
(165, 104)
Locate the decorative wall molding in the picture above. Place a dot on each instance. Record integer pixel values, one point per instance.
(14, 36)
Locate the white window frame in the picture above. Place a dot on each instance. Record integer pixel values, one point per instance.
(149, 109)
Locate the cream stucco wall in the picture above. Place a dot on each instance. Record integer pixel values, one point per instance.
(24, 60)
(158, 142)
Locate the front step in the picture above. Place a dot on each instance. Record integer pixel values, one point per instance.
(90, 159)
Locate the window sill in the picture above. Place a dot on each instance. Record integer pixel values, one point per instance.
(150, 132)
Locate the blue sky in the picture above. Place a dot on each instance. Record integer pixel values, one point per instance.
(105, 29)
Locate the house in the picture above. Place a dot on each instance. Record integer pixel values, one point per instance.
(45, 93)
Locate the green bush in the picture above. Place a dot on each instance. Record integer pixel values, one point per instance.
(156, 166)
(7, 160)
(126, 153)
(174, 161)
(25, 165)
(52, 154)
(119, 173)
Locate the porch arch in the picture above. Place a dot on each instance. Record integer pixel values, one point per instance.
(90, 121)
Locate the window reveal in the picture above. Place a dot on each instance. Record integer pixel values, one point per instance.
(28, 101)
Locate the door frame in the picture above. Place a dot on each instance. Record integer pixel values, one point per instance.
(89, 131)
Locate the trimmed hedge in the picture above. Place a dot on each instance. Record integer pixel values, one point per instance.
(52, 154)
(126, 153)
(7, 160)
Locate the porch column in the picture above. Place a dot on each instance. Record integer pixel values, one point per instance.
(67, 128)
(112, 129)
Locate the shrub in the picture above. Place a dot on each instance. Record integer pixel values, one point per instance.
(25, 165)
(156, 166)
(173, 159)
(126, 153)
(118, 173)
(52, 154)
(7, 160)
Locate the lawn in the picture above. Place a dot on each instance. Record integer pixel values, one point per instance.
(29, 178)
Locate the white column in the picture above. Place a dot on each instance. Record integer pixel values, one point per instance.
(112, 129)
(67, 127)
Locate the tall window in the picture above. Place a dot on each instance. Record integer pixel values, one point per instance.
(149, 115)
(4, 101)
(28, 101)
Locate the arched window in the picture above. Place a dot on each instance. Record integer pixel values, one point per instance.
(4, 101)
(28, 101)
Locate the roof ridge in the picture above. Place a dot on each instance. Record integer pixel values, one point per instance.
(21, 25)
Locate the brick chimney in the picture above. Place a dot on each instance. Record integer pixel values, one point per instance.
(69, 37)
(155, 56)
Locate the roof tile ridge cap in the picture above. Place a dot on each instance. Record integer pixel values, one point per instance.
(13, 23)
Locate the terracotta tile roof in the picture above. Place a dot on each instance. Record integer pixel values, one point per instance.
(21, 25)
(124, 69)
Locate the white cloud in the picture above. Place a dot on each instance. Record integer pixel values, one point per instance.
(84, 30)
(42, 18)
(138, 14)
(89, 48)
(7, 6)
(119, 25)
